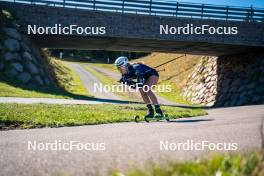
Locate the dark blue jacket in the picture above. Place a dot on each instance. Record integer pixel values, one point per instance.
(140, 72)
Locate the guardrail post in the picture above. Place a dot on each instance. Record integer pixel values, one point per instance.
(249, 16)
(202, 10)
(251, 13)
(123, 6)
(63, 3)
(226, 13)
(177, 7)
(94, 4)
(150, 5)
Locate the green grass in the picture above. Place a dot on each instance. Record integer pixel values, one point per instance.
(174, 95)
(67, 79)
(218, 165)
(174, 73)
(46, 115)
(9, 90)
(6, 18)
(76, 83)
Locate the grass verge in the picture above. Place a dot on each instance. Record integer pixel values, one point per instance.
(174, 95)
(46, 115)
(11, 90)
(68, 81)
(77, 86)
(219, 165)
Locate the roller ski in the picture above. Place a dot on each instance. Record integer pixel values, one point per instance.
(151, 116)
(157, 118)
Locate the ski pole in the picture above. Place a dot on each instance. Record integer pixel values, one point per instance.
(161, 70)
(170, 61)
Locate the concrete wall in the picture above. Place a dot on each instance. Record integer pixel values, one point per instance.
(227, 81)
(137, 32)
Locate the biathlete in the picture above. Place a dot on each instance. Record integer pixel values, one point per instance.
(145, 76)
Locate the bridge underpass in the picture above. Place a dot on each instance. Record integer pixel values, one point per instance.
(141, 45)
(137, 32)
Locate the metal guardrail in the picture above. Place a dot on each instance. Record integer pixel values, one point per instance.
(159, 8)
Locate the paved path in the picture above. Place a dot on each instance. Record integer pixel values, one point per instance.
(89, 80)
(126, 143)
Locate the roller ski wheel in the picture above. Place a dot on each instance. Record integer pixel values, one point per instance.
(157, 118)
(137, 119)
(167, 117)
(148, 119)
(162, 117)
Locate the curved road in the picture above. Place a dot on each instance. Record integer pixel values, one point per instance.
(127, 144)
(89, 80)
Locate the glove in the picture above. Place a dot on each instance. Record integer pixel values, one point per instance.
(121, 80)
(130, 82)
(127, 81)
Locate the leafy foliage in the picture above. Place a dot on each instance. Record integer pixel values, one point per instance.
(218, 165)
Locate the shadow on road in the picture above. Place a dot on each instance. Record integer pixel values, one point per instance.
(191, 120)
(188, 106)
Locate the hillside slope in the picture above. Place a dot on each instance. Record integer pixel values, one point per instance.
(175, 71)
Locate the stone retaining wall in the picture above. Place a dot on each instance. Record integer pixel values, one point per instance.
(227, 81)
(21, 61)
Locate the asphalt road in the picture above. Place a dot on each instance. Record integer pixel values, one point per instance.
(127, 144)
(89, 80)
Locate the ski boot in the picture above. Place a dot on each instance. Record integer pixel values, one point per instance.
(150, 114)
(159, 114)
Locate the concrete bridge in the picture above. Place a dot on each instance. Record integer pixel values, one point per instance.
(144, 30)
